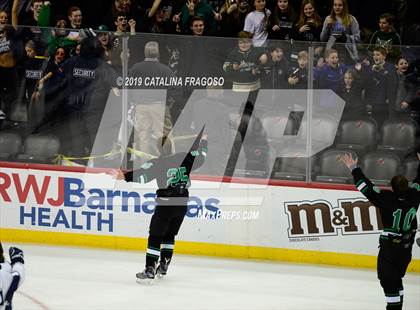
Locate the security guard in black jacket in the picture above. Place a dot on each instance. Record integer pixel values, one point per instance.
(398, 208)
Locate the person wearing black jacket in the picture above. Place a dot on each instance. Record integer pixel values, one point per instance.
(350, 90)
(274, 72)
(398, 208)
(172, 174)
(86, 81)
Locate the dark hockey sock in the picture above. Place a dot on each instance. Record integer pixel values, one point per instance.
(13, 287)
(152, 257)
(166, 251)
(153, 251)
(394, 301)
(402, 295)
(393, 289)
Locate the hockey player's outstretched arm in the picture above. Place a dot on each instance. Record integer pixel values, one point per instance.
(142, 175)
(197, 157)
(18, 274)
(416, 182)
(363, 184)
(146, 173)
(416, 185)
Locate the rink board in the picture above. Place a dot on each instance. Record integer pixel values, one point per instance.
(285, 221)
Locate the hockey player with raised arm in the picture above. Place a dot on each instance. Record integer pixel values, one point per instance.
(12, 276)
(398, 208)
(172, 174)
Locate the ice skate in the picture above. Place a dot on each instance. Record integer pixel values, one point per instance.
(162, 269)
(147, 276)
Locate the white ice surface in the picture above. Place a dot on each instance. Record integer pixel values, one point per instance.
(74, 278)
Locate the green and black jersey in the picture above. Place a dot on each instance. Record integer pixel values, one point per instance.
(172, 173)
(244, 78)
(398, 212)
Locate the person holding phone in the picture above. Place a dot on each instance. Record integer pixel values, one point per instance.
(309, 26)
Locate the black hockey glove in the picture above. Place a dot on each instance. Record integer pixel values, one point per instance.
(16, 255)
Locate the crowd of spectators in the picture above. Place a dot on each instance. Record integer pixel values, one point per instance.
(60, 59)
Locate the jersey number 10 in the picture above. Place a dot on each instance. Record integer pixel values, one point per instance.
(409, 217)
